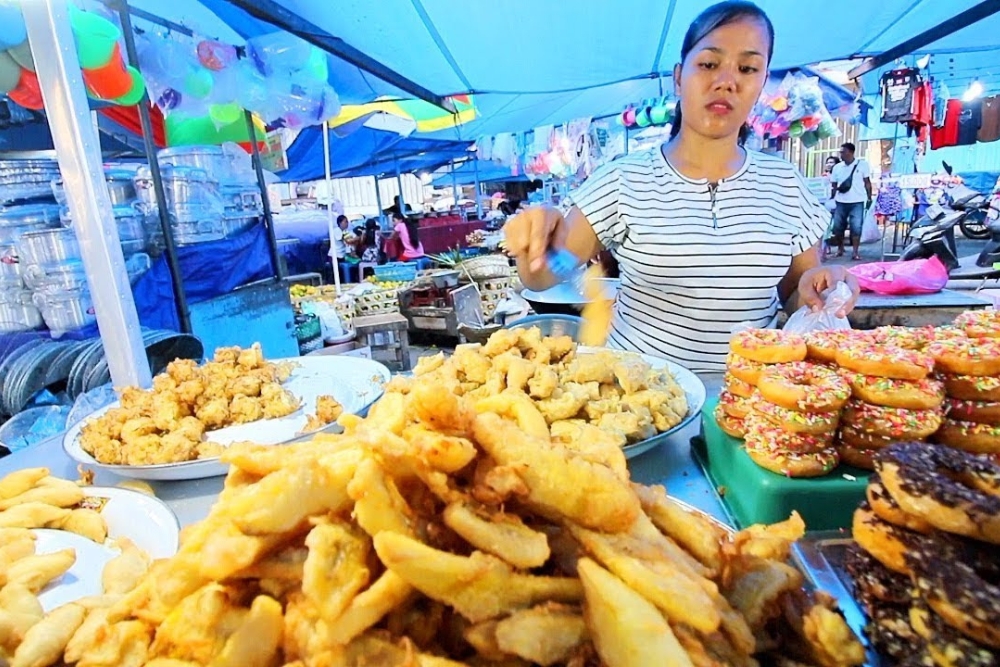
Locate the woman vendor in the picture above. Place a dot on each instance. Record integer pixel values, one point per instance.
(708, 234)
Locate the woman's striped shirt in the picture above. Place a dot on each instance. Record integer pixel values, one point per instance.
(696, 263)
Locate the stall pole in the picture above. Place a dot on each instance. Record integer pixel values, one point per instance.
(378, 199)
(330, 222)
(399, 184)
(79, 154)
(272, 241)
(170, 249)
(479, 203)
(454, 182)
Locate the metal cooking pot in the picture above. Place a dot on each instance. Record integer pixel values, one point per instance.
(48, 246)
(10, 266)
(183, 186)
(121, 187)
(17, 220)
(17, 312)
(131, 229)
(211, 159)
(55, 277)
(66, 310)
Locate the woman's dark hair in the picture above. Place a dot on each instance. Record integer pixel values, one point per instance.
(413, 229)
(371, 233)
(710, 20)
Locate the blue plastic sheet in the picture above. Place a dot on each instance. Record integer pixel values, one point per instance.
(208, 270)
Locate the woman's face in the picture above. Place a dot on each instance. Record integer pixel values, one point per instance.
(722, 77)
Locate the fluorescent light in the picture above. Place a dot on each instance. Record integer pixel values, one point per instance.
(974, 90)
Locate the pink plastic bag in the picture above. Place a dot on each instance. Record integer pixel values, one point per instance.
(916, 276)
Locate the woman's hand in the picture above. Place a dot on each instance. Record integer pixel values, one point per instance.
(817, 280)
(533, 231)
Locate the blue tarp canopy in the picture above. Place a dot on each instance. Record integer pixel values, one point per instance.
(465, 174)
(367, 152)
(538, 61)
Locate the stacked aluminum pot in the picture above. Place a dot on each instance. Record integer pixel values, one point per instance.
(18, 311)
(207, 198)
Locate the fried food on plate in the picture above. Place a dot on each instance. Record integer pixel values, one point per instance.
(447, 529)
(168, 423)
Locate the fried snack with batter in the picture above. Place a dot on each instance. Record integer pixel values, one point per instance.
(479, 587)
(559, 485)
(498, 533)
(44, 642)
(613, 613)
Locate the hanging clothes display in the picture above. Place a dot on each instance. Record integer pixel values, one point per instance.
(947, 134)
(890, 200)
(903, 158)
(969, 121)
(898, 89)
(989, 128)
(940, 104)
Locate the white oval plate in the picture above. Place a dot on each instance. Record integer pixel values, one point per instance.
(144, 520)
(693, 388)
(354, 382)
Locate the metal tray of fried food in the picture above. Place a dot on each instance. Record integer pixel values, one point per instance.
(820, 557)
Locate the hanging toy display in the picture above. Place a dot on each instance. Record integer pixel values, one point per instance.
(649, 113)
(793, 107)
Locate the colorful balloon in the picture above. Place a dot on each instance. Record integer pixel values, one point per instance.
(21, 54)
(10, 73)
(225, 114)
(136, 92)
(28, 93)
(198, 83)
(96, 38)
(215, 55)
(12, 29)
(110, 81)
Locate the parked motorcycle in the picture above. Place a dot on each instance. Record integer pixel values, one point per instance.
(934, 235)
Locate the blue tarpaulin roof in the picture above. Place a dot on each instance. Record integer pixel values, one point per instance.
(367, 152)
(466, 173)
(533, 62)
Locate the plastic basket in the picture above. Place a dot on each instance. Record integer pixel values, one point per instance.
(486, 267)
(401, 271)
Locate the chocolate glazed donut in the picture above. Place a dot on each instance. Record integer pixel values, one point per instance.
(947, 646)
(950, 577)
(952, 490)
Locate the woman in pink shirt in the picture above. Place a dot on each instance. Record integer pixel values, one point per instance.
(408, 234)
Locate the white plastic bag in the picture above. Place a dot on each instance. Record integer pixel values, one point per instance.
(870, 233)
(805, 319)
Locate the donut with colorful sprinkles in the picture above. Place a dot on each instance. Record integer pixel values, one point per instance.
(923, 394)
(967, 356)
(768, 346)
(895, 423)
(898, 363)
(980, 323)
(804, 387)
(794, 421)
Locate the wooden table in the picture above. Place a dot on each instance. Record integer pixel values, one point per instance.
(387, 336)
(876, 310)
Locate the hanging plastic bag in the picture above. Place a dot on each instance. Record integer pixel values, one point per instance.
(870, 232)
(805, 319)
(916, 276)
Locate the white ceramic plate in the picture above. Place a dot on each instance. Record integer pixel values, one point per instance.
(693, 388)
(143, 519)
(354, 382)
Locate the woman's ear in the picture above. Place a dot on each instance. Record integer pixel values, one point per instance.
(677, 80)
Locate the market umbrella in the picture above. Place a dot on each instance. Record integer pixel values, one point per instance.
(428, 117)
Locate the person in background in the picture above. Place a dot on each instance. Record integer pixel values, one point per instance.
(338, 248)
(396, 208)
(408, 232)
(851, 185)
(369, 250)
(828, 164)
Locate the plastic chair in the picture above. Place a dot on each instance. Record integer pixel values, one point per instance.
(550, 325)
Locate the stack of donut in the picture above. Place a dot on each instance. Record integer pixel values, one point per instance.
(968, 364)
(924, 562)
(894, 399)
(791, 408)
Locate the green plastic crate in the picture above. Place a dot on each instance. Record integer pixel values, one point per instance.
(754, 495)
